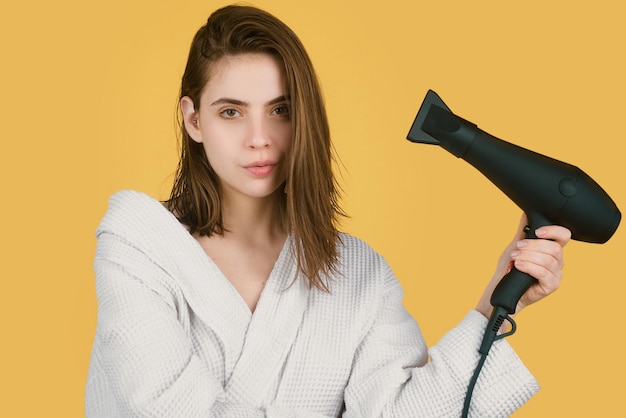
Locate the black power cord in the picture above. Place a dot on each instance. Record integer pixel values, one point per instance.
(498, 316)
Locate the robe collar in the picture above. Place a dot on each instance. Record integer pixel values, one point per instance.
(256, 344)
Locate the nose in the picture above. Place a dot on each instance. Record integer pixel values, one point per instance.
(259, 133)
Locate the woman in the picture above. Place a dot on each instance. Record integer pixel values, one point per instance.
(239, 297)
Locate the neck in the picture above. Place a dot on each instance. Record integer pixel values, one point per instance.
(254, 220)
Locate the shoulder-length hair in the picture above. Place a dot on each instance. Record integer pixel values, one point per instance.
(310, 207)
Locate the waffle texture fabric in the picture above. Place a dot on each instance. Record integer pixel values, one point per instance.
(175, 339)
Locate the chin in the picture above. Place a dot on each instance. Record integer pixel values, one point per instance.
(264, 193)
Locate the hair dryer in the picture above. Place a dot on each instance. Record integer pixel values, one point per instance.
(547, 190)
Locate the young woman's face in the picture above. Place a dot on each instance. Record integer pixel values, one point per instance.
(244, 124)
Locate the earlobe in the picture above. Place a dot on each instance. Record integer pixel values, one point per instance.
(190, 119)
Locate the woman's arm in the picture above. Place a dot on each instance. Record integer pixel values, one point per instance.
(394, 374)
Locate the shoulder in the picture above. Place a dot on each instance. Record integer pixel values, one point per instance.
(140, 221)
(130, 205)
(130, 208)
(364, 284)
(362, 266)
(354, 250)
(349, 241)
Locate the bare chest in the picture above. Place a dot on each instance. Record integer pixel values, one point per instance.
(247, 268)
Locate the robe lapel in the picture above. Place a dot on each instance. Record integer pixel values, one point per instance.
(218, 304)
(272, 331)
(255, 346)
(209, 294)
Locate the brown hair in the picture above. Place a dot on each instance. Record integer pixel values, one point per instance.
(310, 207)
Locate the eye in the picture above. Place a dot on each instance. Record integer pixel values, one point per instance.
(281, 110)
(229, 113)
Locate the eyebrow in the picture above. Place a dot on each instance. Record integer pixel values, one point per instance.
(236, 102)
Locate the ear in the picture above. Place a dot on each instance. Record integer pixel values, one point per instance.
(191, 119)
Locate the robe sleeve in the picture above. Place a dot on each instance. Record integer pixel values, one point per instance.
(142, 361)
(394, 374)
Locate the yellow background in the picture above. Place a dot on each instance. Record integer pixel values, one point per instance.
(88, 93)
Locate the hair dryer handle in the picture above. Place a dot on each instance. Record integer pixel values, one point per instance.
(515, 283)
(510, 289)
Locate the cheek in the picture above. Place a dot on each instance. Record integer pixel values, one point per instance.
(215, 146)
(284, 137)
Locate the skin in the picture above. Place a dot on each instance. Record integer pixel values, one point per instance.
(540, 258)
(243, 123)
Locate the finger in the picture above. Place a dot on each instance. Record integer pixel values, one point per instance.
(544, 260)
(539, 251)
(556, 233)
(548, 280)
(546, 255)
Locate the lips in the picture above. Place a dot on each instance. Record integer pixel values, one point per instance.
(260, 168)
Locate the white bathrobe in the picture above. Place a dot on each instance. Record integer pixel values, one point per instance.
(175, 339)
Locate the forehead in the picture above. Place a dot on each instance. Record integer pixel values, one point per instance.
(247, 77)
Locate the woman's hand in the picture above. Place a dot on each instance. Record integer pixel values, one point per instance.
(541, 258)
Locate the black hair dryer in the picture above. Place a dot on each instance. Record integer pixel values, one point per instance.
(549, 191)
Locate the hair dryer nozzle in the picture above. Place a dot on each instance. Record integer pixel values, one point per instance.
(417, 134)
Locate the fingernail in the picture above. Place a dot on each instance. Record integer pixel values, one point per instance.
(514, 253)
(540, 232)
(519, 263)
(521, 244)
